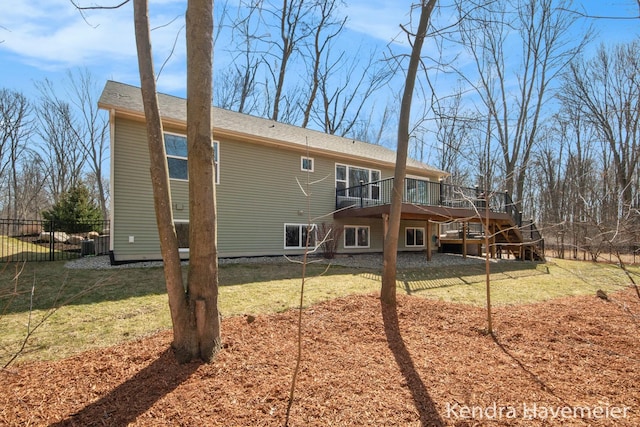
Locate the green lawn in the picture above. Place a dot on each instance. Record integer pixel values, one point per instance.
(13, 249)
(105, 307)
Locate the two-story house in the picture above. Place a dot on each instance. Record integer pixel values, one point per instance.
(274, 183)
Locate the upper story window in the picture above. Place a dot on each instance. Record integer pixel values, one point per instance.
(417, 190)
(306, 164)
(360, 182)
(176, 148)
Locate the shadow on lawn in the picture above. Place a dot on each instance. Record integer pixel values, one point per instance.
(414, 281)
(125, 403)
(425, 405)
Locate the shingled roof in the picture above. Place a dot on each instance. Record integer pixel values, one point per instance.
(123, 98)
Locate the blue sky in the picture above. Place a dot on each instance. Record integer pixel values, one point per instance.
(46, 38)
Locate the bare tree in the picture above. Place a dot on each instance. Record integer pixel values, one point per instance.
(236, 88)
(287, 65)
(292, 30)
(388, 288)
(345, 88)
(541, 31)
(567, 178)
(202, 291)
(319, 49)
(372, 129)
(183, 334)
(548, 167)
(194, 310)
(606, 90)
(91, 129)
(16, 127)
(64, 154)
(452, 136)
(29, 194)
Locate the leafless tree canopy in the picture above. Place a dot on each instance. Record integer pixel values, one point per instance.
(50, 144)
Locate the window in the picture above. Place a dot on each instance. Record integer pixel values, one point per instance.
(295, 236)
(182, 232)
(216, 160)
(176, 147)
(341, 180)
(351, 178)
(356, 236)
(414, 237)
(416, 191)
(306, 164)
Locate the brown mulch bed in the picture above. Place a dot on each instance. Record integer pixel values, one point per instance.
(571, 361)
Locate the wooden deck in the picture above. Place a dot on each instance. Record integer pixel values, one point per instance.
(507, 234)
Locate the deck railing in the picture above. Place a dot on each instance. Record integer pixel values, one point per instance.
(426, 193)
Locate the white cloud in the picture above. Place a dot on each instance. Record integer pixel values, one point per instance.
(380, 19)
(54, 35)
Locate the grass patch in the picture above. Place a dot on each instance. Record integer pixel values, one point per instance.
(12, 249)
(15, 250)
(105, 307)
(514, 282)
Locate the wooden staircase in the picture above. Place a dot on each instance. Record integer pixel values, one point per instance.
(523, 242)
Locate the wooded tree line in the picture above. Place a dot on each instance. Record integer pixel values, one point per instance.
(52, 145)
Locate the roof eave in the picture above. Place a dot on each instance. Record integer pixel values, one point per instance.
(252, 138)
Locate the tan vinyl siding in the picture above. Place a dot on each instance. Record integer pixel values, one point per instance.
(260, 191)
(261, 188)
(133, 211)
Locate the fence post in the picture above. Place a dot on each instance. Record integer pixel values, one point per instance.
(51, 240)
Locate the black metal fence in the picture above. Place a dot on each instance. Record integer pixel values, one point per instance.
(42, 240)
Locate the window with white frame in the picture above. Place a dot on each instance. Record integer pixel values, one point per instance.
(176, 148)
(306, 164)
(356, 236)
(414, 237)
(353, 181)
(295, 236)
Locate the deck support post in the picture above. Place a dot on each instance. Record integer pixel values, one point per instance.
(464, 240)
(492, 241)
(428, 239)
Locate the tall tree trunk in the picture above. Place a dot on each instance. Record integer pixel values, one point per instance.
(203, 255)
(183, 334)
(388, 289)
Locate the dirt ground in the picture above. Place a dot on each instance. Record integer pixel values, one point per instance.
(570, 362)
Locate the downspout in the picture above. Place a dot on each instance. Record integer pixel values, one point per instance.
(112, 127)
